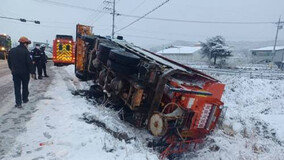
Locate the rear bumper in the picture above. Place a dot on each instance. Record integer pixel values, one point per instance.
(65, 62)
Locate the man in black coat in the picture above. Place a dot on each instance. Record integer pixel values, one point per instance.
(21, 66)
(37, 58)
(44, 56)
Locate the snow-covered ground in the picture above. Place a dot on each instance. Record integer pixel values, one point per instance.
(253, 128)
(57, 131)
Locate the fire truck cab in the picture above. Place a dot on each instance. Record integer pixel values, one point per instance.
(63, 50)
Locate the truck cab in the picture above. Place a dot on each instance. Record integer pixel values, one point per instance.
(5, 45)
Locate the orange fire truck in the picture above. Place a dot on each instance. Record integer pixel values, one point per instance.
(63, 50)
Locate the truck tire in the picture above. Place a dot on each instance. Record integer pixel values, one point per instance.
(103, 52)
(124, 57)
(82, 76)
(121, 68)
(96, 91)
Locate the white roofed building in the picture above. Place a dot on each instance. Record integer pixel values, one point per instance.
(265, 54)
(182, 54)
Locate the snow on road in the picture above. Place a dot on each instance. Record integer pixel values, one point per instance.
(57, 131)
(5, 84)
(13, 120)
(253, 128)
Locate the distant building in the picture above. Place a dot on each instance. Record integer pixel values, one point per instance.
(265, 55)
(182, 54)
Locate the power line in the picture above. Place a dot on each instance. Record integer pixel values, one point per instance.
(144, 15)
(74, 6)
(160, 19)
(134, 9)
(159, 32)
(147, 37)
(69, 5)
(198, 21)
(105, 8)
(20, 19)
(93, 13)
(139, 5)
(55, 26)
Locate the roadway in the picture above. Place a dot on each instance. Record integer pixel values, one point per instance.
(13, 120)
(6, 83)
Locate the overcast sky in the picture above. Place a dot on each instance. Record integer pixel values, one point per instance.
(58, 19)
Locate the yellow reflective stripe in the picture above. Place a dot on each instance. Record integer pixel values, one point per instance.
(64, 55)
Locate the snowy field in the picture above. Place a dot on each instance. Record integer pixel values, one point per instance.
(253, 128)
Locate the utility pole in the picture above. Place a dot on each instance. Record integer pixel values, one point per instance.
(279, 26)
(113, 12)
(276, 37)
(113, 19)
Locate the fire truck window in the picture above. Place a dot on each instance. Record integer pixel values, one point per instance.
(60, 47)
(68, 47)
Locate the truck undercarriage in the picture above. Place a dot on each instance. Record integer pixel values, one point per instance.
(174, 102)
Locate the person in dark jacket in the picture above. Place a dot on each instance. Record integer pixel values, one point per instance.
(42, 49)
(37, 58)
(21, 66)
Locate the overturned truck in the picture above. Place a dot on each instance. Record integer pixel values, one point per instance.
(177, 103)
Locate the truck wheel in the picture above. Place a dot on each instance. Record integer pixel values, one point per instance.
(103, 52)
(122, 69)
(158, 125)
(96, 91)
(124, 57)
(81, 75)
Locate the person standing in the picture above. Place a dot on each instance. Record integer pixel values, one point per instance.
(44, 56)
(37, 59)
(21, 66)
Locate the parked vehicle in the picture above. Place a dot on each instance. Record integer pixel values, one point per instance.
(63, 50)
(5, 45)
(177, 103)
